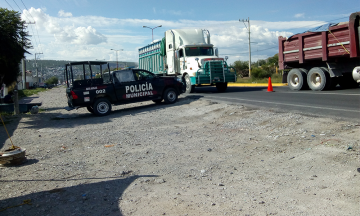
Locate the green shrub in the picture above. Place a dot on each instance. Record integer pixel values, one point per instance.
(29, 92)
(258, 73)
(52, 80)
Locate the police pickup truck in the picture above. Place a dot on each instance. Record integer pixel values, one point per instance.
(91, 84)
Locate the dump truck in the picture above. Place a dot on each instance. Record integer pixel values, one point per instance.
(185, 53)
(323, 57)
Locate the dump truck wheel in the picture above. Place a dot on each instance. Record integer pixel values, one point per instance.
(318, 79)
(296, 79)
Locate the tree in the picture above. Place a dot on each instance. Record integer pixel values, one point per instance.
(241, 67)
(274, 61)
(14, 42)
(52, 80)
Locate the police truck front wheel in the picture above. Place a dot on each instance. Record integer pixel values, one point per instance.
(170, 96)
(102, 106)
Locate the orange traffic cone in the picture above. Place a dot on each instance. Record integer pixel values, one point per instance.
(270, 88)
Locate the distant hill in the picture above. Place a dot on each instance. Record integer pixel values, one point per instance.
(43, 65)
(50, 68)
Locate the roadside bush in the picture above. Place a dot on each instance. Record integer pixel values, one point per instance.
(52, 80)
(258, 73)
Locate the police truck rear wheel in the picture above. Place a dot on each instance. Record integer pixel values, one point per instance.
(170, 96)
(102, 106)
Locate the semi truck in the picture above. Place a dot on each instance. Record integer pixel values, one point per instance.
(185, 53)
(323, 57)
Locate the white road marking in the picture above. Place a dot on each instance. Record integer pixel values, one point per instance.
(295, 92)
(296, 105)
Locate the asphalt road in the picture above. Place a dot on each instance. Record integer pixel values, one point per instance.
(339, 103)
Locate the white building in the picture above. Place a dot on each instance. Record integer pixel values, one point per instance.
(30, 80)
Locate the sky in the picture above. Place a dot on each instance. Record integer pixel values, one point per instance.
(84, 30)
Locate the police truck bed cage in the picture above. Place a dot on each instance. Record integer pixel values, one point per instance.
(80, 74)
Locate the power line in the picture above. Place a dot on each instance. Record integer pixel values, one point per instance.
(30, 26)
(252, 51)
(287, 29)
(9, 5)
(35, 25)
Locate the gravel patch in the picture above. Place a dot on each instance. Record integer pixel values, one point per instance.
(194, 157)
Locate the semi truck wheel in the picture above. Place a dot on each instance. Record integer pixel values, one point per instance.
(102, 107)
(187, 84)
(90, 109)
(347, 81)
(296, 79)
(318, 79)
(170, 96)
(221, 87)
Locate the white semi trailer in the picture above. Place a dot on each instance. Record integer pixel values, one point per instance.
(186, 53)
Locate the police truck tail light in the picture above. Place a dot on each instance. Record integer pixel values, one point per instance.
(74, 96)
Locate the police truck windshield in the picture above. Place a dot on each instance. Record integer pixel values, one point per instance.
(199, 51)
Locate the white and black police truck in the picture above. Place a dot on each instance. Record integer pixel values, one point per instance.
(91, 84)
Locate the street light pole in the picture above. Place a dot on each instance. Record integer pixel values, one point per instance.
(152, 31)
(117, 65)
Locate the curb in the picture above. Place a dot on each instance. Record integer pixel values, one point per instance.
(255, 84)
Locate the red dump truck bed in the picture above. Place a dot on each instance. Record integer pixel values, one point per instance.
(340, 41)
(322, 58)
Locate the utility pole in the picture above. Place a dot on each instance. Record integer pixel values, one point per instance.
(24, 65)
(248, 28)
(16, 93)
(117, 64)
(37, 74)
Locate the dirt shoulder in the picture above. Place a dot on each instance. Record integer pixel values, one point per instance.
(196, 157)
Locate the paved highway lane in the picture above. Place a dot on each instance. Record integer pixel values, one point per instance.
(339, 103)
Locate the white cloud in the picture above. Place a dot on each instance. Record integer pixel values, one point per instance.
(80, 35)
(79, 38)
(299, 15)
(62, 31)
(62, 13)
